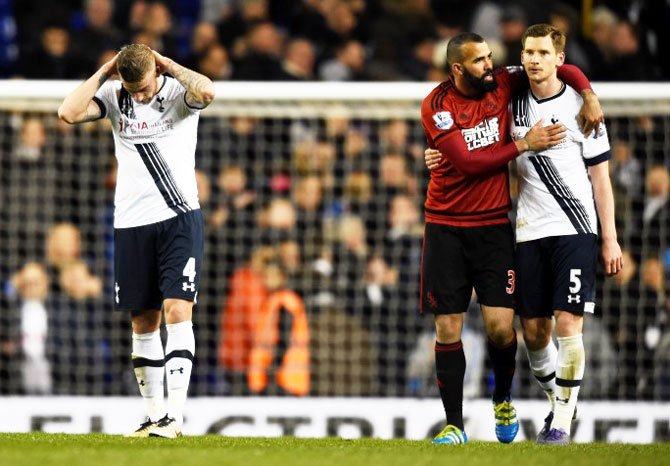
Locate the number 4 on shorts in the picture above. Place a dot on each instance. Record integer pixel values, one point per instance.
(189, 269)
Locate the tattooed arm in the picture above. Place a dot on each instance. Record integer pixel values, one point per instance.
(79, 106)
(199, 88)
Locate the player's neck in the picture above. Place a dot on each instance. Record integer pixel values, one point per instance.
(546, 88)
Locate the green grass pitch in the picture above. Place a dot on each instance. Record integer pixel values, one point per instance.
(40, 449)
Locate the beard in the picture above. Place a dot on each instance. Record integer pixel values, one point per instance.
(479, 84)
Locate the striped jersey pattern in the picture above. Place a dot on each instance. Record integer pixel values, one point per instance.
(154, 146)
(555, 192)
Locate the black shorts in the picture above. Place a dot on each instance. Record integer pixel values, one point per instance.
(456, 259)
(158, 261)
(556, 274)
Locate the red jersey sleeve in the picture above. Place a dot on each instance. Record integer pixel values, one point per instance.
(573, 77)
(443, 134)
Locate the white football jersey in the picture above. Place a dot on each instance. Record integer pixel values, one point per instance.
(555, 192)
(155, 151)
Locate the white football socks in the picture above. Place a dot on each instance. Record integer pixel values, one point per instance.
(149, 367)
(569, 373)
(179, 353)
(543, 365)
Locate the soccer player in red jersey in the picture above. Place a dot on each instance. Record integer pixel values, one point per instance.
(468, 240)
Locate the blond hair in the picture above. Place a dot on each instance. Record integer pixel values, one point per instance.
(135, 61)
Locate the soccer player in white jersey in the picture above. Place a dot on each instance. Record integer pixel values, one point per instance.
(556, 229)
(158, 227)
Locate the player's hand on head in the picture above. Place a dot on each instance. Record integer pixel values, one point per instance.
(541, 137)
(432, 158)
(611, 257)
(110, 66)
(591, 115)
(161, 62)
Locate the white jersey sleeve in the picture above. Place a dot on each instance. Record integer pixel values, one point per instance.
(105, 96)
(595, 146)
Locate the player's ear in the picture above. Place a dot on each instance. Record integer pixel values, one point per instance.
(561, 58)
(456, 69)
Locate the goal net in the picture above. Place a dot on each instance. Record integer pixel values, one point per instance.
(312, 196)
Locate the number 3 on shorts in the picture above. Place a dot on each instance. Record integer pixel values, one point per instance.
(189, 269)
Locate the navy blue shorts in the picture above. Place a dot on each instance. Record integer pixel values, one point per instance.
(158, 261)
(556, 274)
(456, 259)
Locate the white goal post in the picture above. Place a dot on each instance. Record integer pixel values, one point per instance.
(618, 99)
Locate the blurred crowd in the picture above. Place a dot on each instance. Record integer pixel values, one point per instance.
(313, 249)
(334, 40)
(313, 225)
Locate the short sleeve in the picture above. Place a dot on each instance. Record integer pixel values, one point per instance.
(596, 147)
(105, 97)
(177, 93)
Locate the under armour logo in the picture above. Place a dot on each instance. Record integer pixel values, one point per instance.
(180, 370)
(116, 292)
(574, 299)
(563, 400)
(185, 286)
(160, 100)
(554, 120)
(142, 384)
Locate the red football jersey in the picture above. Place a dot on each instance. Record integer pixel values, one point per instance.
(470, 187)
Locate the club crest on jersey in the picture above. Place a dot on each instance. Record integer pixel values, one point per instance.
(443, 120)
(484, 134)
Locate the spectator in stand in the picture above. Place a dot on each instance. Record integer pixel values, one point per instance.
(247, 292)
(99, 33)
(32, 141)
(626, 173)
(75, 342)
(54, 57)
(603, 22)
(63, 245)
(78, 283)
(656, 215)
(32, 285)
(308, 198)
(404, 238)
(650, 310)
(281, 334)
(513, 24)
(347, 65)
(315, 157)
(629, 61)
(350, 256)
(214, 63)
(298, 62)
(238, 22)
(262, 54)
(156, 29)
(566, 19)
(203, 36)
